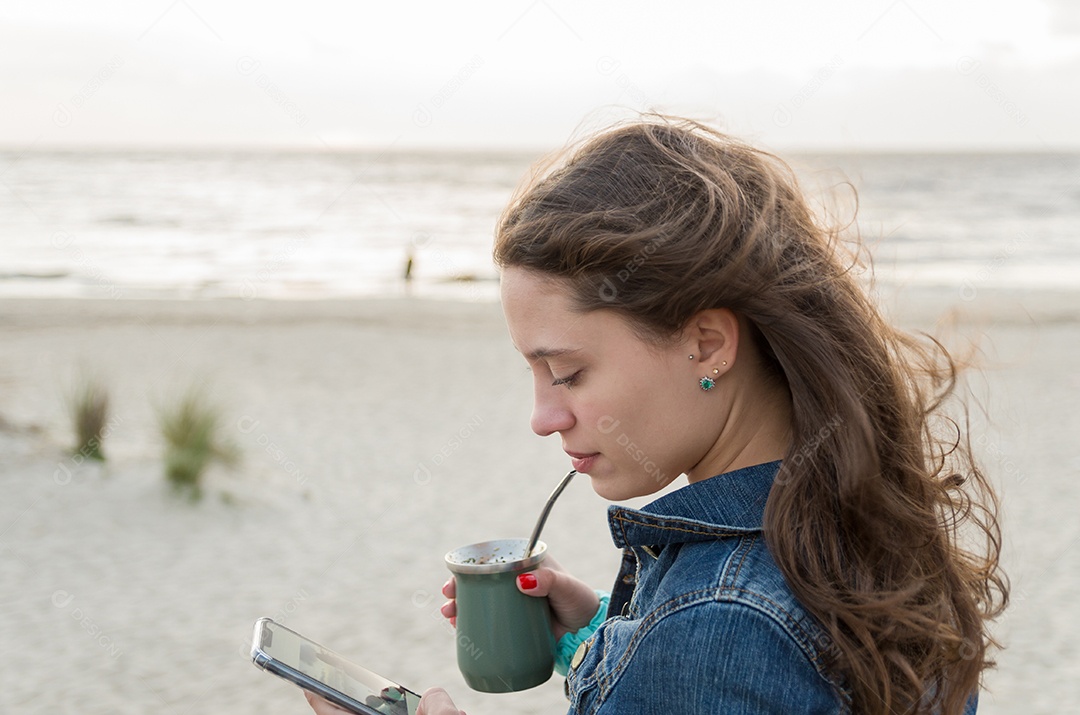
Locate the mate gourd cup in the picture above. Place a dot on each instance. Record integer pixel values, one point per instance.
(504, 638)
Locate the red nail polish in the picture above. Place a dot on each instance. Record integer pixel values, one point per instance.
(527, 581)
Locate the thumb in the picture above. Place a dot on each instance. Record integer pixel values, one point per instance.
(573, 601)
(536, 583)
(435, 701)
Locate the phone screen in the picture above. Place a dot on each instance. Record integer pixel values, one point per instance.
(277, 646)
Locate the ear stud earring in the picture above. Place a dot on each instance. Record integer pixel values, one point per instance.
(707, 383)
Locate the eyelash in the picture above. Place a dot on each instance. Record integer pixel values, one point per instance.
(569, 381)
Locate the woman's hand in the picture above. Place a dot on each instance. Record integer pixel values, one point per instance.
(573, 602)
(322, 706)
(434, 701)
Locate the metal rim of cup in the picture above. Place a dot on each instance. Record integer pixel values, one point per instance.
(473, 559)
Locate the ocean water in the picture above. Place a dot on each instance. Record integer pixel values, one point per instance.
(291, 225)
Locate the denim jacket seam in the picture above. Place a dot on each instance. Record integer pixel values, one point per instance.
(706, 530)
(741, 551)
(637, 580)
(605, 682)
(803, 638)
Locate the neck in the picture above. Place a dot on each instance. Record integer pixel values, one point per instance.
(757, 430)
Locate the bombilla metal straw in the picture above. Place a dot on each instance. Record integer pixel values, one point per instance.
(547, 510)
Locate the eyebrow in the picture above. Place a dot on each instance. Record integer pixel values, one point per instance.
(544, 353)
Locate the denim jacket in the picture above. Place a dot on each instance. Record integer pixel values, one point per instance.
(701, 620)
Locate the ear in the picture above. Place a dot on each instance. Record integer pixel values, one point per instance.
(713, 338)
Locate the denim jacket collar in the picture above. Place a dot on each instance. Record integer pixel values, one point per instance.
(725, 505)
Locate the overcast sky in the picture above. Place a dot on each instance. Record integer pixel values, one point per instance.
(837, 74)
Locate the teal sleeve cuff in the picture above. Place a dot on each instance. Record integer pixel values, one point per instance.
(568, 644)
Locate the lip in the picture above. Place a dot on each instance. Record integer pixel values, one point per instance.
(582, 461)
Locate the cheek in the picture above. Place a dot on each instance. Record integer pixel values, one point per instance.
(653, 422)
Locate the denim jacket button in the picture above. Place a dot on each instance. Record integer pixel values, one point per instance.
(579, 655)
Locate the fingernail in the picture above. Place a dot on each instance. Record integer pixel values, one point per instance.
(527, 581)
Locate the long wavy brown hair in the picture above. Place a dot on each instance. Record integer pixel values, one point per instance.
(879, 519)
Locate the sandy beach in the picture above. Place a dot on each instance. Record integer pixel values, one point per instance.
(375, 436)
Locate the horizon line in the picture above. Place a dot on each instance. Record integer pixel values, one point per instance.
(482, 149)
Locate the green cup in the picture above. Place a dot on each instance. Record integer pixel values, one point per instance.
(504, 638)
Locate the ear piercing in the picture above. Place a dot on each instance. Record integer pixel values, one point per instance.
(707, 383)
(714, 369)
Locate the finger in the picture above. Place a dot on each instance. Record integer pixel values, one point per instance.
(448, 609)
(551, 563)
(573, 601)
(449, 588)
(537, 583)
(436, 701)
(321, 706)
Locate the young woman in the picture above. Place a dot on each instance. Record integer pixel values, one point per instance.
(835, 549)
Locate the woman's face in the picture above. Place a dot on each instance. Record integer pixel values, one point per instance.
(630, 414)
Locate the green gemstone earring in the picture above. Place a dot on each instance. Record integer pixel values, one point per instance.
(708, 382)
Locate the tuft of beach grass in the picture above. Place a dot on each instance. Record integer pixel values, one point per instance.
(88, 404)
(191, 428)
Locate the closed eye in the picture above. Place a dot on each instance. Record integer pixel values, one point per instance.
(569, 381)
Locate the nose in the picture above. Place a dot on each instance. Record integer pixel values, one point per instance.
(549, 414)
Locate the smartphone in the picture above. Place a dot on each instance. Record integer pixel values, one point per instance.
(288, 654)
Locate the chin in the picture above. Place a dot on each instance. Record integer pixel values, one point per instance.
(614, 484)
(612, 490)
